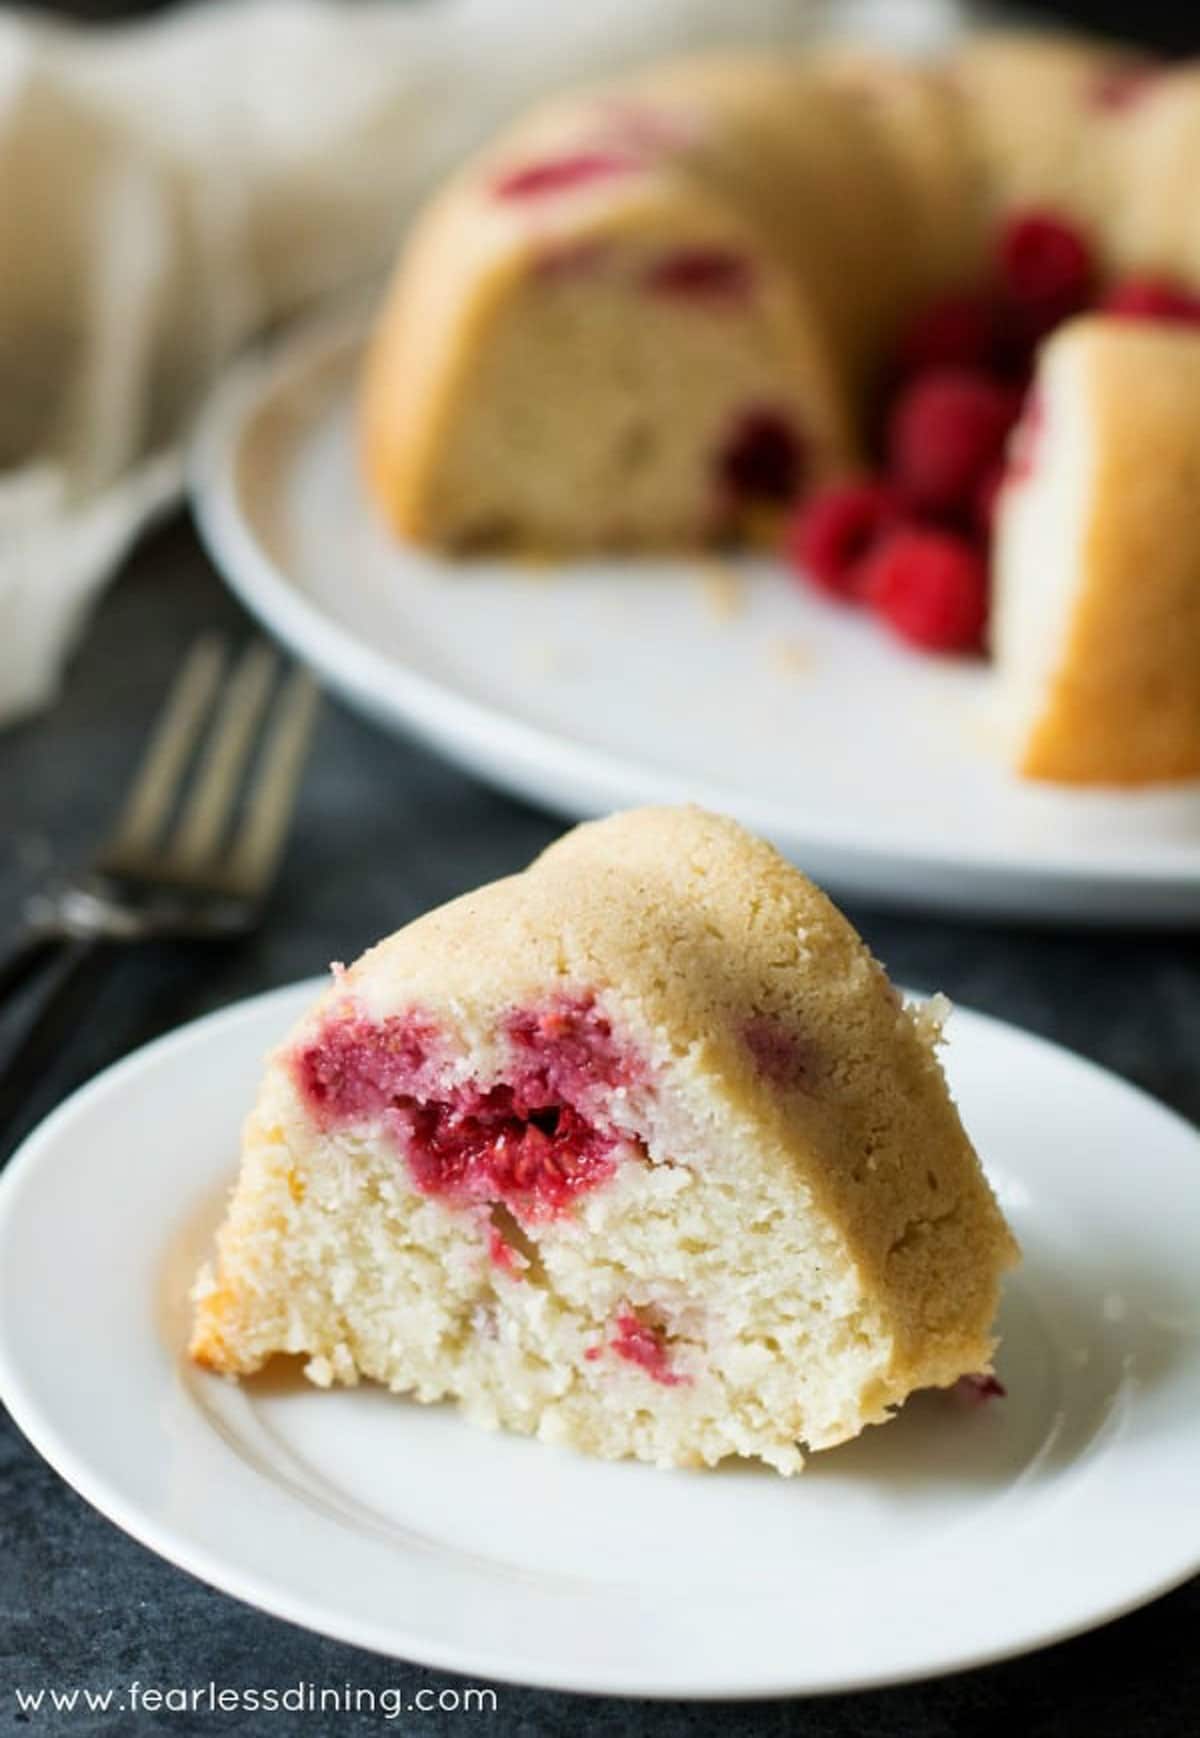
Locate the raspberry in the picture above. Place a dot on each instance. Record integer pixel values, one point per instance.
(525, 1143)
(945, 433)
(957, 331)
(709, 274)
(762, 458)
(1152, 298)
(978, 1390)
(1047, 270)
(645, 1346)
(506, 1258)
(931, 588)
(832, 534)
(561, 174)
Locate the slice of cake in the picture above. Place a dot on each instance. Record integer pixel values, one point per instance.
(586, 346)
(1096, 609)
(637, 1151)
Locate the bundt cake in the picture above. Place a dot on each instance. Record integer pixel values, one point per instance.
(651, 308)
(636, 1151)
(1096, 624)
(657, 313)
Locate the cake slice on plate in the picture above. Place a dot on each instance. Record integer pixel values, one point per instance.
(1096, 613)
(637, 1151)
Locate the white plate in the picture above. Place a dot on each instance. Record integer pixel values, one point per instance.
(952, 1536)
(619, 682)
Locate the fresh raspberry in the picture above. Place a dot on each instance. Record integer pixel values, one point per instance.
(1150, 298)
(1047, 270)
(957, 331)
(945, 433)
(832, 534)
(931, 588)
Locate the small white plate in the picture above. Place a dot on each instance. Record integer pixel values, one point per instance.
(620, 682)
(952, 1536)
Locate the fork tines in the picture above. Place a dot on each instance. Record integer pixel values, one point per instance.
(211, 801)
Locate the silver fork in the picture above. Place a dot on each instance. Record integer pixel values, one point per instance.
(190, 856)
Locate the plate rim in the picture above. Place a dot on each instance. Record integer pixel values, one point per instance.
(528, 757)
(251, 1587)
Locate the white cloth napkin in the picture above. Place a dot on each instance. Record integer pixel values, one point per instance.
(169, 188)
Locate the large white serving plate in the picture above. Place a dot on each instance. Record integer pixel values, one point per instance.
(952, 1536)
(605, 683)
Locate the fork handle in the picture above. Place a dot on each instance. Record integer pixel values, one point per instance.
(77, 974)
(33, 949)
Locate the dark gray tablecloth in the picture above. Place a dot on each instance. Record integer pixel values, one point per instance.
(383, 831)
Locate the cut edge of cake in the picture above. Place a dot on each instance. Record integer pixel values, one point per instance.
(1096, 625)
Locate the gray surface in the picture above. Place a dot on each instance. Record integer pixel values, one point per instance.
(383, 832)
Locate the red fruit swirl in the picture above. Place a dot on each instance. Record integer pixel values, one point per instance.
(532, 1142)
(356, 1068)
(553, 175)
(646, 1347)
(1152, 298)
(701, 274)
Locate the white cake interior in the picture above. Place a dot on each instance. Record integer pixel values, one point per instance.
(1041, 540)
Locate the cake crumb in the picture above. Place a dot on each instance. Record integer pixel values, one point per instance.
(722, 588)
(930, 1017)
(789, 657)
